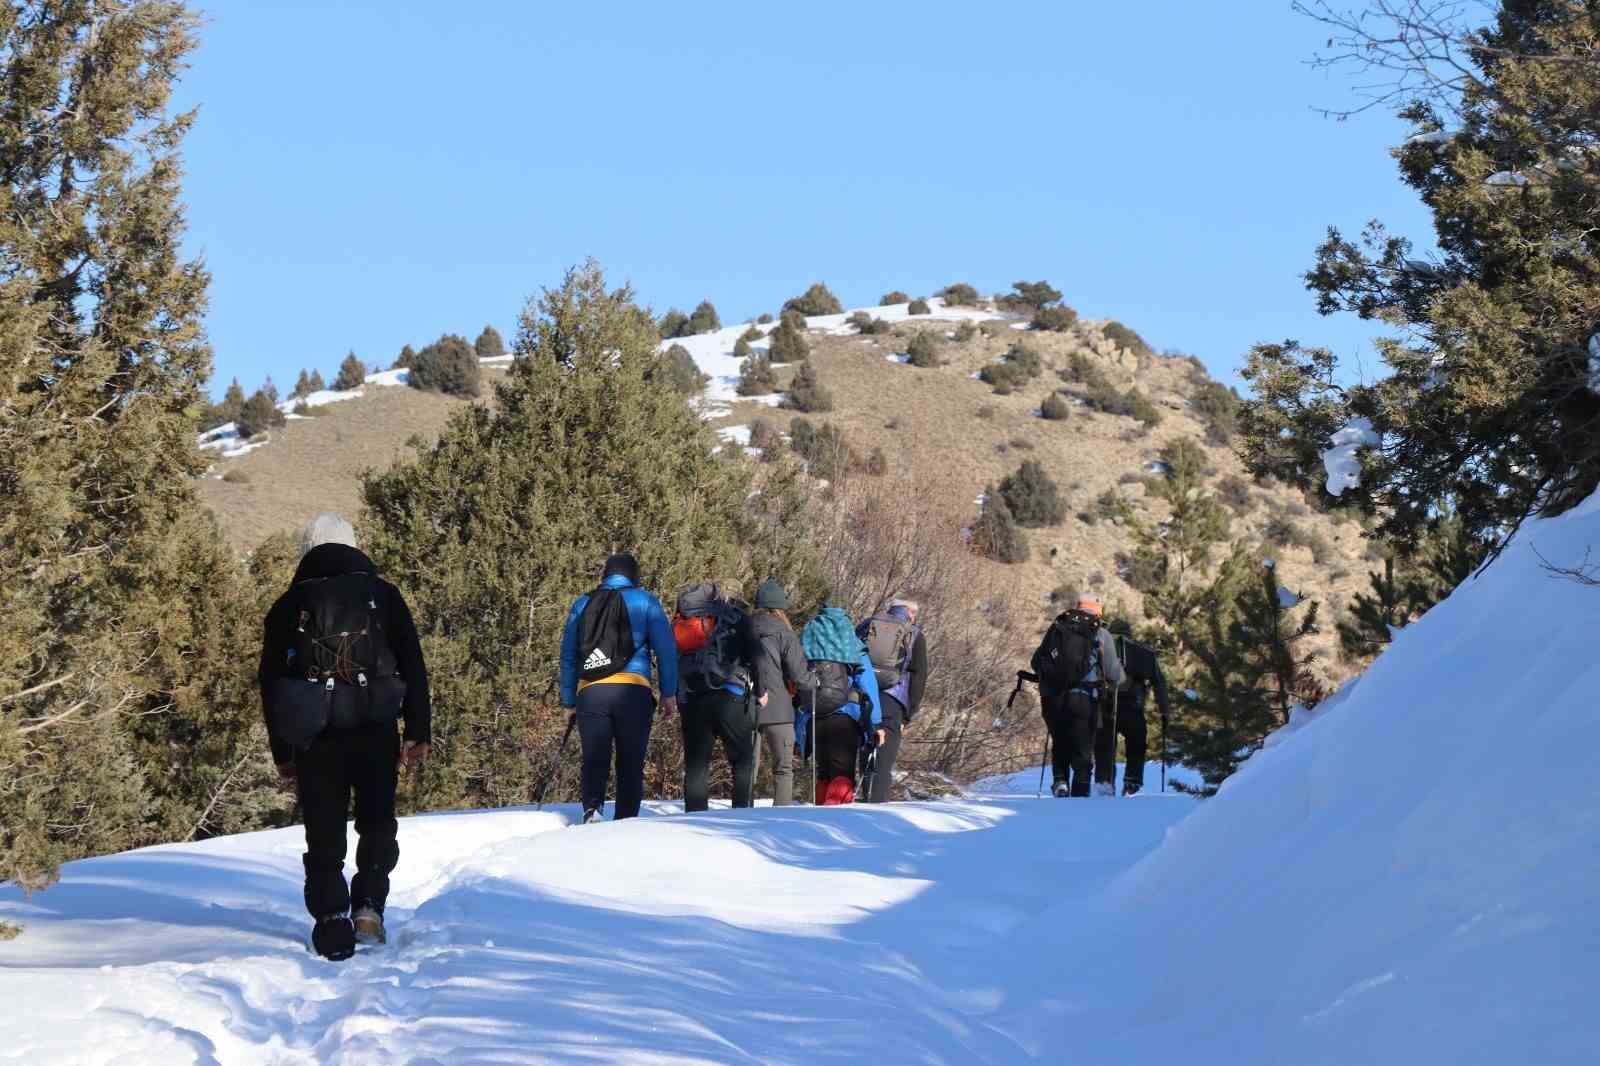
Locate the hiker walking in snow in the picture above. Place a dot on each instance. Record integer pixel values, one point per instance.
(899, 656)
(845, 698)
(610, 636)
(340, 662)
(780, 668)
(716, 697)
(1143, 673)
(1075, 662)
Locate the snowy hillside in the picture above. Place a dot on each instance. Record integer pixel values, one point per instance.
(1410, 876)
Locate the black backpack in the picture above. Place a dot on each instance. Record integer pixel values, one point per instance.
(605, 635)
(722, 659)
(341, 670)
(1068, 651)
(835, 686)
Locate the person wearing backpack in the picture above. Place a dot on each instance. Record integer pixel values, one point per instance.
(899, 656)
(849, 714)
(1143, 670)
(340, 662)
(715, 695)
(610, 636)
(779, 668)
(1075, 662)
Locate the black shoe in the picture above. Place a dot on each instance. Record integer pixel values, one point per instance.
(1131, 788)
(1060, 790)
(334, 937)
(592, 816)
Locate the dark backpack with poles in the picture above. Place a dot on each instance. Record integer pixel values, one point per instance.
(1068, 652)
(605, 635)
(341, 671)
(834, 686)
(712, 641)
(889, 641)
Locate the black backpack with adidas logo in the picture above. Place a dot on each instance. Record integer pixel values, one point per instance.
(605, 635)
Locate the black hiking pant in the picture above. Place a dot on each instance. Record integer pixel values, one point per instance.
(1071, 719)
(883, 774)
(838, 741)
(362, 762)
(1135, 738)
(621, 716)
(705, 718)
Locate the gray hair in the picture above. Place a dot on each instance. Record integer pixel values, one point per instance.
(327, 528)
(911, 606)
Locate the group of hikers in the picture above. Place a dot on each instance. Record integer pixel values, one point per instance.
(341, 662)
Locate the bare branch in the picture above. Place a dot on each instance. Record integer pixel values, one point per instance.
(1584, 573)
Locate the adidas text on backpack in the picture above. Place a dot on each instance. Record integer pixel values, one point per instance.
(605, 635)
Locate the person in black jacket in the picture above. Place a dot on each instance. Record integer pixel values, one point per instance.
(902, 700)
(1143, 672)
(356, 748)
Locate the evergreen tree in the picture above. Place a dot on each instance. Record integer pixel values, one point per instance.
(889, 299)
(996, 534)
(489, 345)
(751, 334)
(1178, 552)
(302, 386)
(823, 448)
(806, 392)
(677, 370)
(407, 356)
(958, 295)
(233, 401)
(817, 300)
(918, 306)
(1054, 408)
(1375, 615)
(317, 384)
(260, 413)
(1032, 497)
(672, 324)
(788, 343)
(352, 375)
(496, 527)
(1491, 397)
(756, 377)
(742, 349)
(448, 365)
(1030, 296)
(1410, 584)
(702, 320)
(1055, 319)
(125, 703)
(923, 349)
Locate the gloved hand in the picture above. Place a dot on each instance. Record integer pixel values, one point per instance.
(413, 752)
(286, 772)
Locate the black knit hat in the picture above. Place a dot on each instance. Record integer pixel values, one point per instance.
(772, 595)
(624, 564)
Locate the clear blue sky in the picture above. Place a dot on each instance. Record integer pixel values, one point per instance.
(366, 175)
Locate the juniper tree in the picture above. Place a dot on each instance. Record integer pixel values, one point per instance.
(233, 401)
(703, 319)
(448, 365)
(489, 345)
(260, 413)
(923, 350)
(1178, 552)
(302, 386)
(1029, 296)
(1032, 496)
(817, 300)
(352, 374)
(407, 356)
(742, 349)
(806, 392)
(889, 299)
(672, 324)
(124, 699)
(996, 534)
(788, 343)
(756, 377)
(1491, 398)
(676, 368)
(497, 526)
(317, 384)
(958, 295)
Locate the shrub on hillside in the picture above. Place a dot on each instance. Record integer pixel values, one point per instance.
(986, 411)
(996, 534)
(994, 327)
(823, 447)
(877, 463)
(672, 323)
(489, 345)
(1123, 337)
(959, 295)
(806, 392)
(1029, 297)
(235, 476)
(1016, 368)
(1217, 406)
(448, 365)
(764, 435)
(817, 300)
(1055, 408)
(919, 307)
(742, 349)
(302, 386)
(966, 331)
(351, 374)
(1234, 491)
(703, 319)
(788, 342)
(1055, 319)
(868, 325)
(403, 361)
(677, 370)
(259, 414)
(923, 350)
(751, 334)
(1144, 570)
(1032, 496)
(763, 319)
(756, 377)
(890, 298)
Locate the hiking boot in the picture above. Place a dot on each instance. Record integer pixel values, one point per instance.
(333, 937)
(1105, 788)
(592, 816)
(1060, 790)
(1131, 788)
(368, 921)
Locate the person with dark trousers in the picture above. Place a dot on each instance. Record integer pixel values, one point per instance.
(843, 735)
(331, 692)
(902, 699)
(1143, 672)
(715, 700)
(778, 664)
(618, 710)
(1072, 716)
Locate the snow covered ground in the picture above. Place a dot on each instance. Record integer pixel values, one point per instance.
(1409, 874)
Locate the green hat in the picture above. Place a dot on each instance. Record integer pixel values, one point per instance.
(771, 594)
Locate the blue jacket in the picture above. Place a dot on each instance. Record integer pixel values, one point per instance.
(651, 633)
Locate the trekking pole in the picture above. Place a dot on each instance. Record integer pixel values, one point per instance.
(1163, 753)
(1044, 760)
(815, 746)
(1114, 790)
(555, 762)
